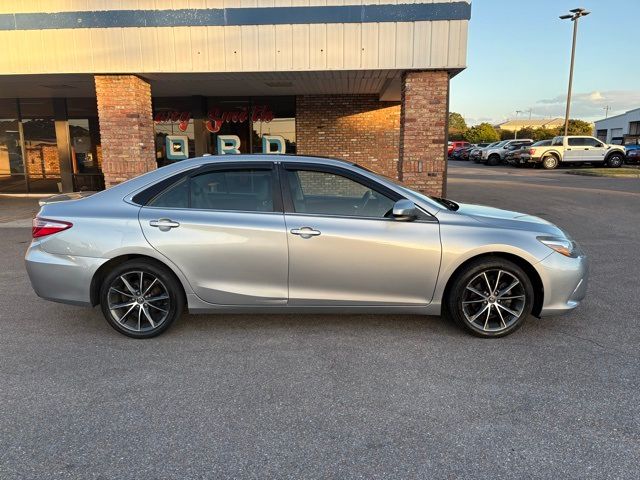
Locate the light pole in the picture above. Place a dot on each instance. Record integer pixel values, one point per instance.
(575, 15)
(515, 136)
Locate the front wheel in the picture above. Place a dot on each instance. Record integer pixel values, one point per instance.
(493, 160)
(615, 160)
(141, 299)
(491, 298)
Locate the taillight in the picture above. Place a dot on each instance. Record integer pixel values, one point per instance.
(44, 226)
(532, 151)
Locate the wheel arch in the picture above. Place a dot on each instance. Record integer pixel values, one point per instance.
(529, 269)
(105, 268)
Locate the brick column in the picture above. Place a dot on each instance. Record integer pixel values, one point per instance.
(126, 127)
(423, 131)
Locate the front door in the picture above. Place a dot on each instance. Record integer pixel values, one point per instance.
(344, 247)
(224, 228)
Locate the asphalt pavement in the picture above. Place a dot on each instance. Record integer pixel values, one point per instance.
(339, 397)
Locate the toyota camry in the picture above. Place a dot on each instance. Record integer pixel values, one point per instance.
(271, 233)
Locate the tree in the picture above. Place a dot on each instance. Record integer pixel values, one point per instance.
(544, 133)
(457, 126)
(577, 127)
(483, 132)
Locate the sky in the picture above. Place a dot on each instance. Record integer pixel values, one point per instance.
(519, 54)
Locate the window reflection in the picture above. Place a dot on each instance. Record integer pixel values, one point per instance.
(11, 164)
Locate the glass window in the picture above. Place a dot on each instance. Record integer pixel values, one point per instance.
(634, 128)
(246, 190)
(176, 196)
(242, 190)
(11, 164)
(591, 142)
(274, 116)
(576, 142)
(329, 194)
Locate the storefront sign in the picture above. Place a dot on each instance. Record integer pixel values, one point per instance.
(167, 116)
(218, 116)
(230, 144)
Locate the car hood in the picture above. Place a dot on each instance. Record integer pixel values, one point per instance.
(508, 219)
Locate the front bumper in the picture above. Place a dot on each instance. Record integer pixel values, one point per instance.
(61, 278)
(565, 283)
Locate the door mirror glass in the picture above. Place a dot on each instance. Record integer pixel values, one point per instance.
(405, 210)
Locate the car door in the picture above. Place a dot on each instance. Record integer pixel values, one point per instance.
(595, 150)
(223, 226)
(576, 150)
(344, 249)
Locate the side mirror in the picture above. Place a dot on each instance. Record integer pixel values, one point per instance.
(405, 210)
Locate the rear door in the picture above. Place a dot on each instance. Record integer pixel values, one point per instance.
(345, 249)
(223, 226)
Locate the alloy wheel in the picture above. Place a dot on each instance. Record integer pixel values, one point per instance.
(493, 300)
(138, 301)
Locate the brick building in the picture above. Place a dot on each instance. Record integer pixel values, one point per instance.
(91, 96)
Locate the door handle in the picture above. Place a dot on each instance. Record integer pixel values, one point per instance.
(164, 224)
(305, 232)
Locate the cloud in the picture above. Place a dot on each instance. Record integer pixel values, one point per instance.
(589, 105)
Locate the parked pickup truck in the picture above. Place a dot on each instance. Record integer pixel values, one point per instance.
(577, 149)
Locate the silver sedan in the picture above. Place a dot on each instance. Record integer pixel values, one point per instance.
(296, 234)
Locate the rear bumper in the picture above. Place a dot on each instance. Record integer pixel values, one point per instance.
(61, 278)
(565, 283)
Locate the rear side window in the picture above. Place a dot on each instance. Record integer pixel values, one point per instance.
(246, 190)
(242, 190)
(176, 196)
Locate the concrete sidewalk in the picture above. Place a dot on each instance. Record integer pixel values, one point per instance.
(17, 211)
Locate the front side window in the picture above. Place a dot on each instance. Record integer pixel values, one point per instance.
(592, 142)
(242, 190)
(326, 193)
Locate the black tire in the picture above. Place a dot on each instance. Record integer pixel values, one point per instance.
(493, 160)
(615, 160)
(151, 317)
(496, 326)
(550, 162)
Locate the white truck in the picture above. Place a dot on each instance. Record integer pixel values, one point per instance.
(576, 149)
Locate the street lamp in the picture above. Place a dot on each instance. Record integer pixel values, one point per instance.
(574, 16)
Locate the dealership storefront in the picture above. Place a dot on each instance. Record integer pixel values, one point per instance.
(91, 98)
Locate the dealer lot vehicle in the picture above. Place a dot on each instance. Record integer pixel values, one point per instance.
(452, 146)
(514, 151)
(524, 157)
(268, 233)
(476, 153)
(577, 149)
(495, 155)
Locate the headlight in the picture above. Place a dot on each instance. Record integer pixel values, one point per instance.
(564, 246)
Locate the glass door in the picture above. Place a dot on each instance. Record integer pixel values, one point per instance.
(41, 151)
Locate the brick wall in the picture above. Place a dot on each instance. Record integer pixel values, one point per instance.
(43, 161)
(126, 127)
(357, 128)
(423, 131)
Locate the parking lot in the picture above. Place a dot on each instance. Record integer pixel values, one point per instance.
(299, 396)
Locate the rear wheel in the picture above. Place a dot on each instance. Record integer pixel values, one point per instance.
(550, 162)
(491, 298)
(141, 298)
(615, 160)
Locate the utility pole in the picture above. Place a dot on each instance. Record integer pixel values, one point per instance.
(575, 15)
(606, 111)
